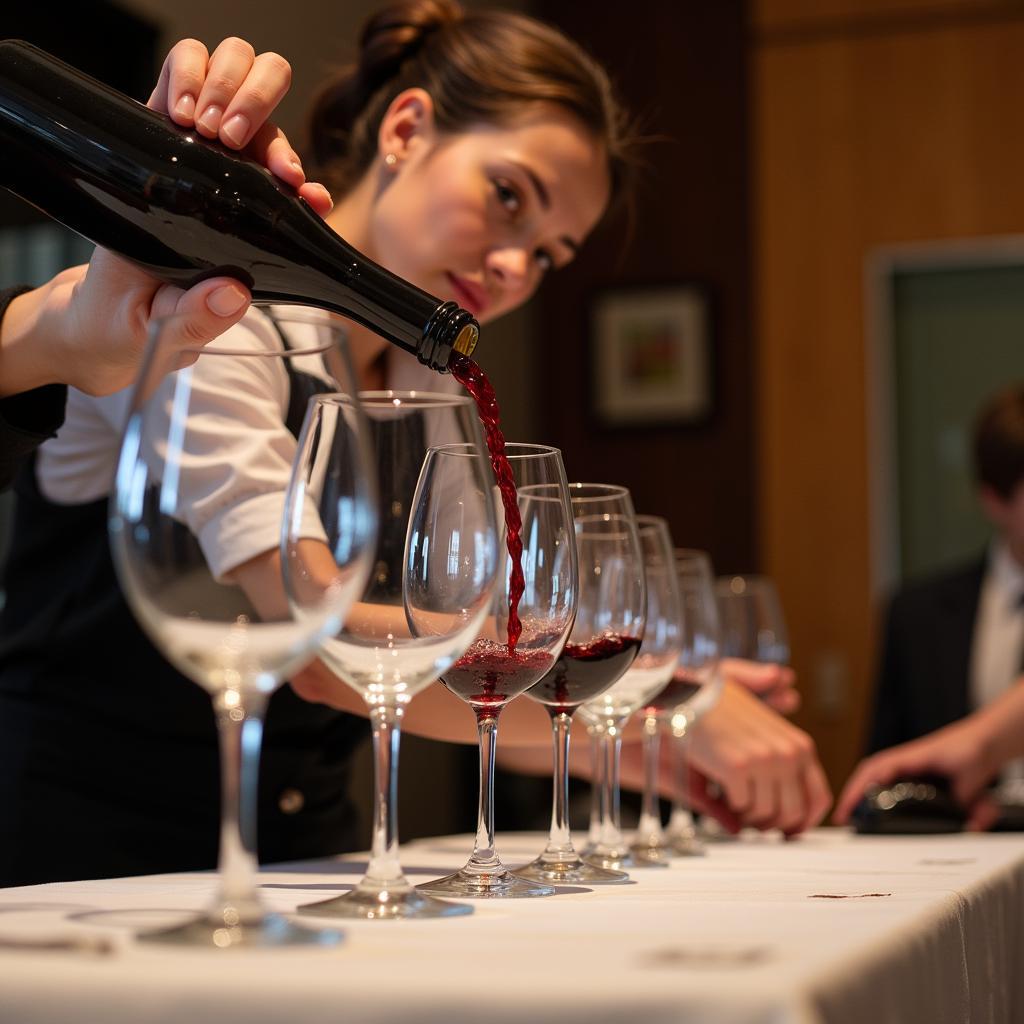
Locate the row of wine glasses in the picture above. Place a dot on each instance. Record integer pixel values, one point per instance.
(389, 570)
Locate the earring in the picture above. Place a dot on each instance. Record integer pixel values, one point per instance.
(390, 160)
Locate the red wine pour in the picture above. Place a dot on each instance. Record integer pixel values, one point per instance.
(489, 674)
(584, 671)
(475, 381)
(184, 208)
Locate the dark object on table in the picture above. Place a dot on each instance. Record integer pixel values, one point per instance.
(1011, 818)
(909, 807)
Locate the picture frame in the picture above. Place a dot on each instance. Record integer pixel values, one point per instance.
(651, 352)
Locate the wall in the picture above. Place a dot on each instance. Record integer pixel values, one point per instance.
(691, 224)
(873, 123)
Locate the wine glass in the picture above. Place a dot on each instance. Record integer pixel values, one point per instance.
(498, 666)
(604, 641)
(653, 667)
(662, 647)
(430, 592)
(753, 626)
(694, 689)
(182, 523)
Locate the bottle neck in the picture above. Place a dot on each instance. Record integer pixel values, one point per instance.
(451, 329)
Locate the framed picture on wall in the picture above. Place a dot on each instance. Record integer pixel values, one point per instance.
(651, 356)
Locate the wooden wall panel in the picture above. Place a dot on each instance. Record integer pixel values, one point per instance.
(866, 15)
(859, 141)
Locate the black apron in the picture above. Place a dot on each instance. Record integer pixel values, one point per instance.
(108, 755)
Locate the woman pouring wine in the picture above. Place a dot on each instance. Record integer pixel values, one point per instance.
(470, 154)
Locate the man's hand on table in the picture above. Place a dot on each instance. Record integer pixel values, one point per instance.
(958, 751)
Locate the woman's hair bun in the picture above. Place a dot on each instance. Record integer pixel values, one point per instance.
(390, 38)
(396, 34)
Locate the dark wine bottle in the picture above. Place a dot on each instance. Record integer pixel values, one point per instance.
(184, 209)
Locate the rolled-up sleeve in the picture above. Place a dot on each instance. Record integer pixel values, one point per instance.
(237, 451)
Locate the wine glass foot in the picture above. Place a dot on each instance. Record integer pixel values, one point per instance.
(501, 884)
(266, 931)
(711, 830)
(650, 855)
(381, 903)
(685, 845)
(610, 858)
(573, 871)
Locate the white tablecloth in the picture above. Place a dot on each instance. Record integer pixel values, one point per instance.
(924, 929)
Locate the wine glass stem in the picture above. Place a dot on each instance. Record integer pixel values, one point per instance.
(240, 729)
(649, 829)
(681, 781)
(485, 859)
(559, 839)
(596, 786)
(384, 864)
(611, 833)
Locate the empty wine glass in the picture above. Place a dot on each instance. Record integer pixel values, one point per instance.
(604, 641)
(431, 589)
(499, 665)
(659, 655)
(182, 528)
(695, 687)
(753, 626)
(653, 667)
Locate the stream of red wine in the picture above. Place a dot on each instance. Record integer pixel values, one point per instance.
(475, 381)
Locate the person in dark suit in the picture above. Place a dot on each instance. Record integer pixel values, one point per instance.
(86, 328)
(924, 673)
(953, 643)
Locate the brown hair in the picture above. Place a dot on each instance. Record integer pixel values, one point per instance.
(999, 442)
(479, 67)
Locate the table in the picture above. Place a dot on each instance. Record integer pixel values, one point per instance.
(831, 928)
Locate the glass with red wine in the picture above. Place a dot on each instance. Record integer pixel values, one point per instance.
(694, 689)
(430, 590)
(608, 713)
(604, 641)
(531, 615)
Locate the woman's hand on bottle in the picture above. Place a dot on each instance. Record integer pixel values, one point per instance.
(87, 327)
(229, 95)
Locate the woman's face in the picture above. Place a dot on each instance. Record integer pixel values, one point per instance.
(480, 217)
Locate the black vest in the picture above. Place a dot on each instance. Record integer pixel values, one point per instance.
(108, 756)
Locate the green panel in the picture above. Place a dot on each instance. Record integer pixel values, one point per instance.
(958, 337)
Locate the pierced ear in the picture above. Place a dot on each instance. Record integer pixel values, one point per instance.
(407, 123)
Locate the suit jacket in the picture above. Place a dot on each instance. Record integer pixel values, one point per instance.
(924, 673)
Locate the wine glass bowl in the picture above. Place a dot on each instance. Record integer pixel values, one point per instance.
(753, 626)
(516, 646)
(184, 524)
(428, 594)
